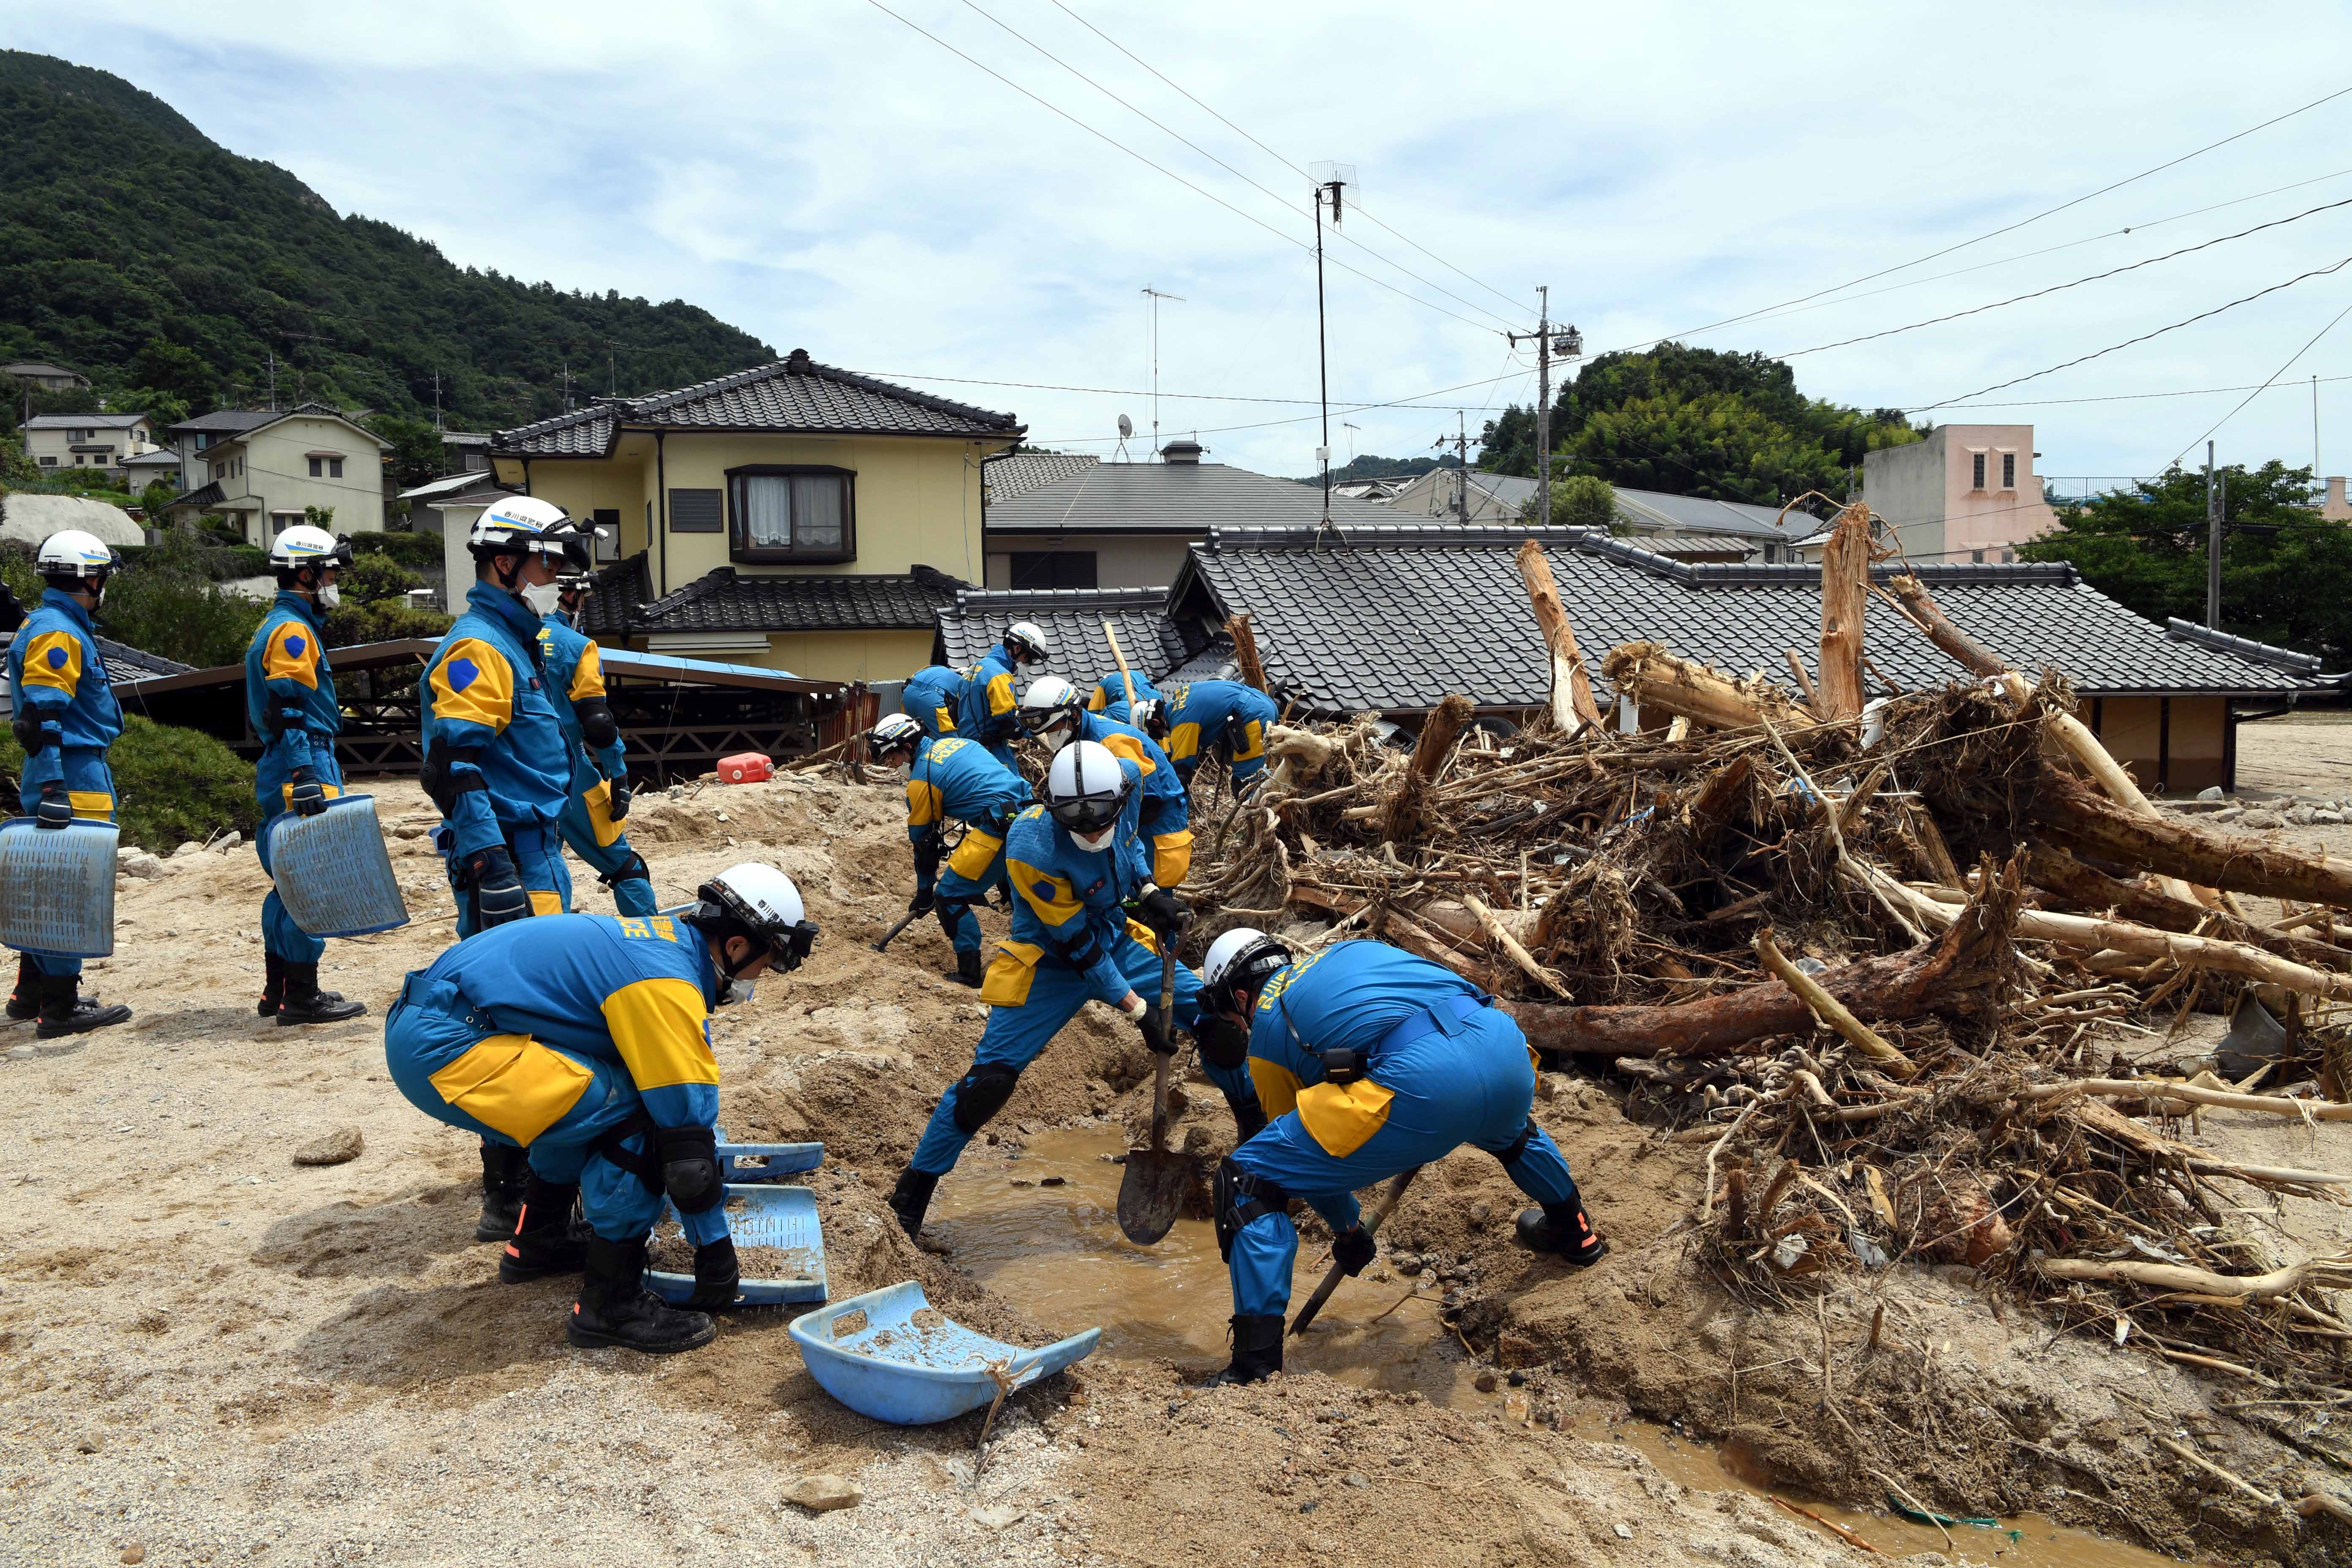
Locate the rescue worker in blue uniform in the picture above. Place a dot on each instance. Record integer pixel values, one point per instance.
(599, 799)
(1230, 718)
(584, 1041)
(1085, 899)
(990, 712)
(950, 779)
(65, 719)
(496, 760)
(935, 695)
(1051, 713)
(289, 701)
(1110, 696)
(1371, 1062)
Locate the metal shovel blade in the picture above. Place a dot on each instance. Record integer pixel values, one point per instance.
(1152, 1192)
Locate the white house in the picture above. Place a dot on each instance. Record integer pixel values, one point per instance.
(265, 477)
(101, 441)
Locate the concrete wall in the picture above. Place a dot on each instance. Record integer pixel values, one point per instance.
(1121, 561)
(1926, 490)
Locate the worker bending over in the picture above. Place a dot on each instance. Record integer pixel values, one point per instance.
(952, 780)
(584, 1040)
(1371, 1062)
(1109, 695)
(1051, 712)
(66, 717)
(989, 713)
(1229, 717)
(1078, 869)
(598, 800)
(933, 696)
(289, 700)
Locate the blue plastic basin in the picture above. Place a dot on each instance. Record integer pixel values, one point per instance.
(910, 1373)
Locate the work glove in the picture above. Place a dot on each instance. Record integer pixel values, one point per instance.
(1155, 1033)
(54, 810)
(12, 614)
(925, 897)
(617, 804)
(306, 798)
(498, 895)
(1351, 1250)
(31, 733)
(717, 1278)
(1164, 912)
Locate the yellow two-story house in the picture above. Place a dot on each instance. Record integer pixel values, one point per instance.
(795, 516)
(265, 476)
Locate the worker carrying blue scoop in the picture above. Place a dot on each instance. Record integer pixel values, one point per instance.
(1085, 905)
(1371, 1062)
(951, 779)
(1198, 718)
(584, 1040)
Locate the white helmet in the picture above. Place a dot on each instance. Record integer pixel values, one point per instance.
(302, 545)
(764, 898)
(73, 553)
(1086, 791)
(1051, 710)
(1237, 964)
(1027, 643)
(526, 525)
(893, 732)
(1144, 714)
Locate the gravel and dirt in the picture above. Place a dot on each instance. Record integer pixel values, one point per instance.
(210, 1354)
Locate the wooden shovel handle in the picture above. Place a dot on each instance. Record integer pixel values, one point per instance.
(1160, 1060)
(1331, 1278)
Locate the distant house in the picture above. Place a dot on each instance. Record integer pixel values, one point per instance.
(1074, 618)
(160, 463)
(264, 472)
(794, 516)
(1073, 522)
(1695, 530)
(44, 375)
(101, 441)
(1966, 492)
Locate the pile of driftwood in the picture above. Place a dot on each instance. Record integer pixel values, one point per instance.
(1904, 970)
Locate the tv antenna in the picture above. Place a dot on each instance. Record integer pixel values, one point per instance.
(1351, 439)
(1126, 428)
(1331, 182)
(1156, 297)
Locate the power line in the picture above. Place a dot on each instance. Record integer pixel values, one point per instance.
(2127, 342)
(1163, 169)
(2130, 396)
(2266, 386)
(1220, 163)
(2058, 288)
(1277, 157)
(1414, 401)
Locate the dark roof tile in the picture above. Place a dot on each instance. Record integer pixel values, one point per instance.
(1073, 619)
(724, 601)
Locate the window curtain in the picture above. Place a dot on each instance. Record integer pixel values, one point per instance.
(818, 515)
(768, 511)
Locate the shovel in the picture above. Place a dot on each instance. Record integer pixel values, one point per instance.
(891, 935)
(1152, 1190)
(1372, 1227)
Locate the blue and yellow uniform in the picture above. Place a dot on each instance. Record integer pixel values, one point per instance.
(289, 700)
(990, 709)
(934, 696)
(61, 688)
(1110, 696)
(954, 779)
(1166, 817)
(573, 1038)
(574, 669)
(1071, 940)
(1202, 713)
(495, 757)
(1441, 1067)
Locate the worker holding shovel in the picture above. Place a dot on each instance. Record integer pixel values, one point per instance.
(1053, 715)
(1371, 1062)
(951, 779)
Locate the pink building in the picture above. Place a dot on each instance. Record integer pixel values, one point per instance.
(1966, 492)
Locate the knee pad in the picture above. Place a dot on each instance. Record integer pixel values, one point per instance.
(981, 1093)
(1510, 1156)
(690, 1168)
(1240, 1197)
(1222, 1044)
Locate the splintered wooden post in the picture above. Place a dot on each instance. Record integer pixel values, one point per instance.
(1438, 734)
(1845, 590)
(1919, 607)
(1572, 688)
(1831, 1011)
(1246, 651)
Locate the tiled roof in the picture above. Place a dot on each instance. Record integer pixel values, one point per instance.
(230, 420)
(2303, 665)
(1073, 619)
(724, 601)
(84, 421)
(1215, 661)
(203, 495)
(124, 664)
(1651, 510)
(1728, 549)
(1022, 472)
(792, 396)
(1395, 619)
(1170, 498)
(614, 595)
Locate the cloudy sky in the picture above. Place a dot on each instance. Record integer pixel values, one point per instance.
(825, 175)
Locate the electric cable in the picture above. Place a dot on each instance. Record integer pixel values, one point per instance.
(2266, 386)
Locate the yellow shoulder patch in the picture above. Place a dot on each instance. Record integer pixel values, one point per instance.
(658, 1026)
(473, 682)
(924, 803)
(54, 658)
(291, 654)
(588, 675)
(1130, 748)
(1056, 901)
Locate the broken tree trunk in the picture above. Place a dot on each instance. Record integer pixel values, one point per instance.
(1659, 680)
(2088, 887)
(1918, 607)
(1246, 651)
(1845, 593)
(1963, 971)
(1438, 735)
(1572, 688)
(2070, 813)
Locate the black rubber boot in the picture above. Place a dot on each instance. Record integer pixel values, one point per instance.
(543, 1243)
(304, 1002)
(718, 1276)
(273, 985)
(911, 1197)
(968, 970)
(505, 1171)
(615, 1308)
(64, 1011)
(1561, 1229)
(25, 1002)
(1257, 1349)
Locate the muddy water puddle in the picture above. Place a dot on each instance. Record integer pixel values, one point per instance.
(1051, 1244)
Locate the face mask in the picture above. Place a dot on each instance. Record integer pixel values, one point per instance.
(1095, 843)
(1057, 737)
(330, 596)
(732, 991)
(542, 597)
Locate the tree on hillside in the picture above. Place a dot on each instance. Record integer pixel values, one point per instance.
(416, 453)
(1578, 501)
(2286, 575)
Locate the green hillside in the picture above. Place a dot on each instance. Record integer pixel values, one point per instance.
(138, 251)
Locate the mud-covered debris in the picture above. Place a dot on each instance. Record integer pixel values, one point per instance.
(823, 1493)
(335, 1148)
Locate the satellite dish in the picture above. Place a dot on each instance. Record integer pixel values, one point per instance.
(1126, 425)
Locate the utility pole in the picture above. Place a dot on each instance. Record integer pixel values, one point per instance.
(1331, 181)
(2214, 484)
(1569, 345)
(2314, 427)
(1460, 442)
(273, 379)
(1156, 297)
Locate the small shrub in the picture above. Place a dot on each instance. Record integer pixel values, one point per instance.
(161, 607)
(349, 625)
(408, 549)
(374, 579)
(170, 785)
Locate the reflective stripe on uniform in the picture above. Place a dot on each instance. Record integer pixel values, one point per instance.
(513, 1084)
